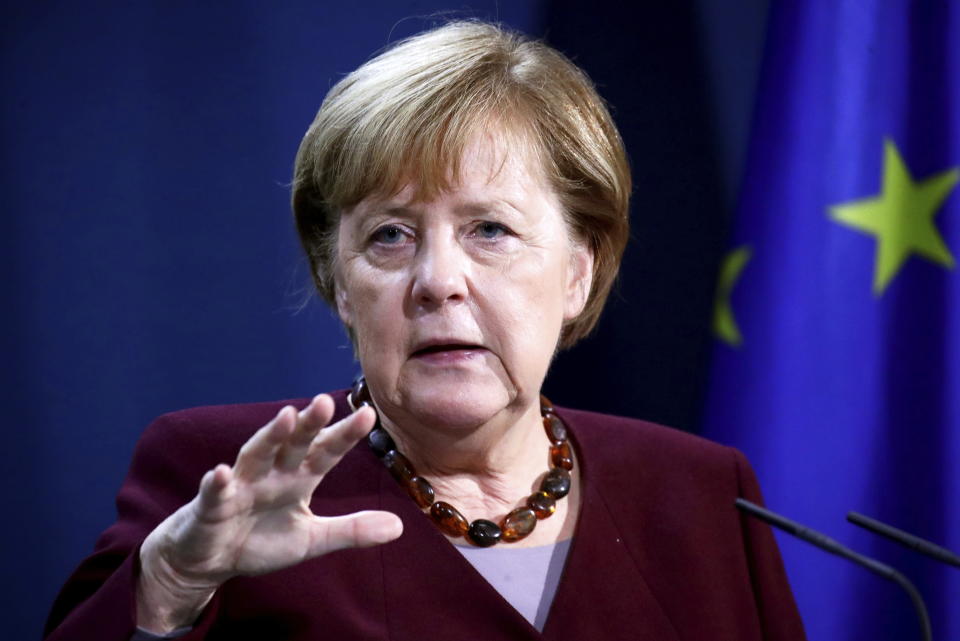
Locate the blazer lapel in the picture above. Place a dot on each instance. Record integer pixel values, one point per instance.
(602, 592)
(425, 576)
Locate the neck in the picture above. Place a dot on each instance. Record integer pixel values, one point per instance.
(484, 469)
(488, 481)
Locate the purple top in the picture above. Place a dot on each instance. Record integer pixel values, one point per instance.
(526, 578)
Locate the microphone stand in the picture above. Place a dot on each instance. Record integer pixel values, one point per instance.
(824, 542)
(904, 538)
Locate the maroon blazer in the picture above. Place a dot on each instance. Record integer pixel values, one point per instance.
(659, 551)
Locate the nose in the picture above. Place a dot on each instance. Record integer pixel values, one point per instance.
(440, 273)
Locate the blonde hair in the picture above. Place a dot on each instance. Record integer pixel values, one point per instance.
(412, 111)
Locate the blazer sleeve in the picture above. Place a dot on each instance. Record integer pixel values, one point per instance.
(779, 618)
(98, 600)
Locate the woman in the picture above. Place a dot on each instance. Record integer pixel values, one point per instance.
(462, 199)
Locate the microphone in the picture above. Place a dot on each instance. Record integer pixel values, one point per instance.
(904, 538)
(824, 542)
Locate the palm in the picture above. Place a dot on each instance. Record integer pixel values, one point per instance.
(254, 517)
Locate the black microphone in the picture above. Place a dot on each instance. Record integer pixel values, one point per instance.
(905, 538)
(824, 542)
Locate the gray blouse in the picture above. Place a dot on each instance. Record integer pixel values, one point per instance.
(526, 578)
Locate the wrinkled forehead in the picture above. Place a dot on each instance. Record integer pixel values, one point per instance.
(490, 162)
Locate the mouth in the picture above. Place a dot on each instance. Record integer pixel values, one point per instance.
(446, 348)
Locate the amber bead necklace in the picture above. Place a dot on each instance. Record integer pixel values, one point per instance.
(483, 533)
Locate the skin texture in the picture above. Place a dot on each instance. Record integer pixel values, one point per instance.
(484, 276)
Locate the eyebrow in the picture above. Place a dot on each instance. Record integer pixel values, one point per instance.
(464, 209)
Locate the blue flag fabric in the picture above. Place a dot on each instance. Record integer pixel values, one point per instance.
(838, 365)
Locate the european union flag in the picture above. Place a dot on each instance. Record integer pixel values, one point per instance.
(838, 310)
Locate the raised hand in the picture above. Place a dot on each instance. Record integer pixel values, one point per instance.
(254, 517)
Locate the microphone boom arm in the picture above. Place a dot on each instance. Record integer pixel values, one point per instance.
(905, 538)
(824, 542)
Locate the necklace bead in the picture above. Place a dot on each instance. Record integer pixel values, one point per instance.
(542, 504)
(556, 430)
(400, 467)
(518, 523)
(546, 407)
(561, 455)
(421, 491)
(380, 442)
(556, 483)
(449, 519)
(484, 533)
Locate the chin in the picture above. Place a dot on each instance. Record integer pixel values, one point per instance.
(455, 404)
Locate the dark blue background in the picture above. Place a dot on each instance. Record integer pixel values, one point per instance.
(149, 256)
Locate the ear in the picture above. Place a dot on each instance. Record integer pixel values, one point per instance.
(579, 280)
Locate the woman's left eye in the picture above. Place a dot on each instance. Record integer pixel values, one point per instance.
(490, 231)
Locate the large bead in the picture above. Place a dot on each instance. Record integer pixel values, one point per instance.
(561, 455)
(359, 394)
(556, 483)
(421, 491)
(542, 504)
(449, 519)
(380, 442)
(518, 524)
(556, 430)
(484, 533)
(399, 466)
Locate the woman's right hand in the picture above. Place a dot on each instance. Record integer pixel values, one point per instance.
(255, 517)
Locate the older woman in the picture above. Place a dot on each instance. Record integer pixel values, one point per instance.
(462, 199)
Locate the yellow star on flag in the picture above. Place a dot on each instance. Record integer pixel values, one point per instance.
(901, 217)
(724, 324)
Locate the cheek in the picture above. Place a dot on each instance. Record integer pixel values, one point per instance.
(378, 312)
(527, 305)
(375, 305)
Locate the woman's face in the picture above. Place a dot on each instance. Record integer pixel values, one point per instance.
(457, 303)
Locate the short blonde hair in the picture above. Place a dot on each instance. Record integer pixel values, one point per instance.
(412, 111)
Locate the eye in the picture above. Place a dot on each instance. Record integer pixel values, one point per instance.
(491, 231)
(389, 235)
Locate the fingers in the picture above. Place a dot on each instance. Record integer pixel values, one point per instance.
(290, 438)
(258, 455)
(335, 441)
(214, 484)
(361, 529)
(316, 415)
(215, 489)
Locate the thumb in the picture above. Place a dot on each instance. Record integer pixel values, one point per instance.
(357, 530)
